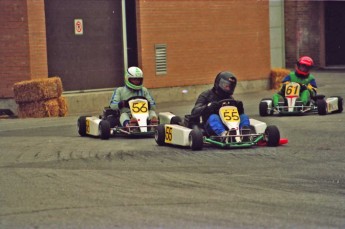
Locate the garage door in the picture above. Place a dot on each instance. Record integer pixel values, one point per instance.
(84, 43)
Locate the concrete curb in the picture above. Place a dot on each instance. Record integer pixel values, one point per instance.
(92, 102)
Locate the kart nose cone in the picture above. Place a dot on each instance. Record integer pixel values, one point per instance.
(283, 141)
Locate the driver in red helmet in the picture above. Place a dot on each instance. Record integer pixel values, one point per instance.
(302, 76)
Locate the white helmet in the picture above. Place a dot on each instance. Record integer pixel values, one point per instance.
(134, 78)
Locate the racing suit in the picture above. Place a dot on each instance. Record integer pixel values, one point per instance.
(124, 93)
(210, 117)
(308, 88)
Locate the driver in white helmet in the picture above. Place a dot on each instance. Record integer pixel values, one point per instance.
(133, 87)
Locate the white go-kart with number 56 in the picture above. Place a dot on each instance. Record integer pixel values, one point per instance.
(108, 124)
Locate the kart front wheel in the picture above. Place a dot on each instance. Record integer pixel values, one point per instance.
(272, 135)
(196, 140)
(263, 109)
(321, 106)
(82, 126)
(104, 129)
(160, 135)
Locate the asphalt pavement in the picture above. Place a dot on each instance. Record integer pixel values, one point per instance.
(50, 177)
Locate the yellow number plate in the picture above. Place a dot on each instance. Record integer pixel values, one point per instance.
(139, 107)
(87, 126)
(292, 89)
(168, 134)
(230, 114)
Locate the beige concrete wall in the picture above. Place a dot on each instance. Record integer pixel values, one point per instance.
(277, 35)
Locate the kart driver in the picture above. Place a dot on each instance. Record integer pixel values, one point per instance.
(133, 87)
(302, 76)
(207, 105)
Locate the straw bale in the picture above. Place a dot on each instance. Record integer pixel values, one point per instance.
(62, 106)
(277, 75)
(48, 108)
(37, 89)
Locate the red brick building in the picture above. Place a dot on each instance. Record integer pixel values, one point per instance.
(176, 43)
(315, 28)
(23, 50)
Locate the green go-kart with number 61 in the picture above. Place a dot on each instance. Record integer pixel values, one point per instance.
(291, 103)
(190, 131)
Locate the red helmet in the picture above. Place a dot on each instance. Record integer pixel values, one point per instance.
(304, 65)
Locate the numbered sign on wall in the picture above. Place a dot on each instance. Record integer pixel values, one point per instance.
(78, 27)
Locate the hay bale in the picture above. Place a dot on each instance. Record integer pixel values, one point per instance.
(46, 108)
(62, 106)
(277, 75)
(37, 90)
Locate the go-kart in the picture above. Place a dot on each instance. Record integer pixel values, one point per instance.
(292, 105)
(108, 124)
(191, 132)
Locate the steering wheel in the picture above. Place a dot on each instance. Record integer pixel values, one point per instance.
(227, 102)
(138, 97)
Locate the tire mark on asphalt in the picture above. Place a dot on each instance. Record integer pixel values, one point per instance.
(102, 206)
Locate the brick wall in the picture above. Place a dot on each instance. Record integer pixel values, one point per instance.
(302, 30)
(22, 47)
(204, 37)
(37, 39)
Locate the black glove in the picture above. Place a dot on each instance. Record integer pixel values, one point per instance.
(212, 107)
(240, 107)
(123, 103)
(303, 87)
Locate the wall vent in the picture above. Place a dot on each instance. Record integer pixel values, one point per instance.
(161, 59)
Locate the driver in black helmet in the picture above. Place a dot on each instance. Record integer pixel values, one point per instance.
(207, 104)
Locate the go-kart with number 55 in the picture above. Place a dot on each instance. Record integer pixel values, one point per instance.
(191, 132)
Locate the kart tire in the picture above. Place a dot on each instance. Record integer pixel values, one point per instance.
(263, 108)
(82, 126)
(160, 135)
(340, 104)
(176, 120)
(196, 140)
(272, 136)
(104, 130)
(321, 106)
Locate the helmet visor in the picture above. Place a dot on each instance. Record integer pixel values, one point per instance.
(304, 68)
(136, 81)
(226, 85)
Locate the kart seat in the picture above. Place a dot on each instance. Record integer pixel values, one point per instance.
(316, 97)
(192, 122)
(113, 116)
(107, 111)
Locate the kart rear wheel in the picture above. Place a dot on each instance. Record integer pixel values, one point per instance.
(82, 126)
(340, 104)
(321, 106)
(104, 129)
(272, 135)
(196, 140)
(160, 135)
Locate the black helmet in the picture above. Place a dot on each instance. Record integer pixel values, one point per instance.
(225, 84)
